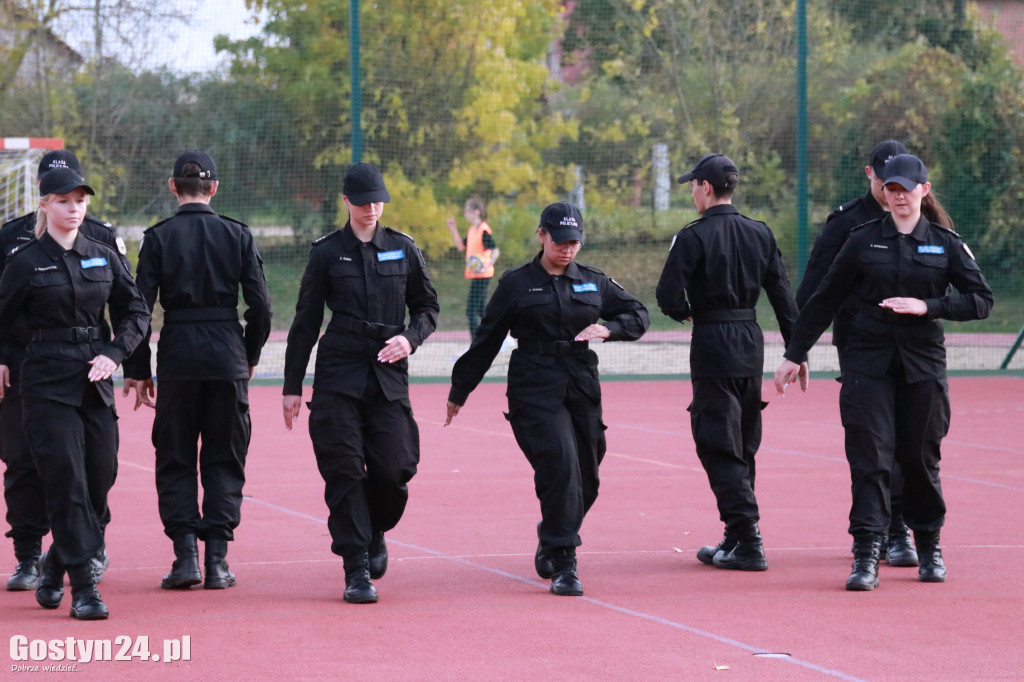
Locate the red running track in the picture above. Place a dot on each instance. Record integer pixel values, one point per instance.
(461, 601)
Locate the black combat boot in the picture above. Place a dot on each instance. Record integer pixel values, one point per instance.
(864, 576)
(185, 569)
(26, 573)
(748, 552)
(85, 600)
(565, 581)
(378, 556)
(218, 576)
(706, 554)
(900, 548)
(50, 589)
(358, 588)
(542, 559)
(932, 568)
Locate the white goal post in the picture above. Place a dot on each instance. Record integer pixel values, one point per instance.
(19, 160)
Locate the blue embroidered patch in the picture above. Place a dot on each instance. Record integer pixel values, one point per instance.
(586, 286)
(390, 255)
(931, 249)
(94, 263)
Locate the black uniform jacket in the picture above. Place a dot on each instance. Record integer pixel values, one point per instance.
(20, 231)
(876, 263)
(534, 305)
(720, 263)
(367, 287)
(58, 290)
(196, 261)
(826, 247)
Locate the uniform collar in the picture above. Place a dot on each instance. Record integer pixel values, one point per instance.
(873, 207)
(195, 207)
(54, 250)
(572, 271)
(920, 232)
(720, 209)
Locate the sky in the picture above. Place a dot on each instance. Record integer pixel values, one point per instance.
(190, 49)
(184, 48)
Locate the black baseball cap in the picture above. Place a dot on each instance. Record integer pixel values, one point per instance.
(884, 151)
(58, 158)
(363, 184)
(207, 168)
(906, 170)
(563, 222)
(713, 168)
(62, 181)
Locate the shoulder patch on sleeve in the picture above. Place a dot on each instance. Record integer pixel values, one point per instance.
(967, 250)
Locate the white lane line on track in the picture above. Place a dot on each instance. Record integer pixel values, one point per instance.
(596, 602)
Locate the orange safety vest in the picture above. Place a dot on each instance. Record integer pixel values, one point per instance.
(478, 259)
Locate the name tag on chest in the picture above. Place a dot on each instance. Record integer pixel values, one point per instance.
(94, 263)
(927, 248)
(390, 255)
(586, 286)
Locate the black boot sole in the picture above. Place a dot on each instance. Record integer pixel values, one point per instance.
(361, 598)
(861, 587)
(179, 584)
(89, 615)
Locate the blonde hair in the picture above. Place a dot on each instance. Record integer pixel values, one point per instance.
(41, 215)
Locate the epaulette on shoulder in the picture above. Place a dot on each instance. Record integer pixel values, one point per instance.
(844, 208)
(17, 222)
(400, 233)
(326, 237)
(591, 268)
(158, 224)
(21, 247)
(947, 229)
(96, 241)
(692, 223)
(234, 220)
(102, 223)
(865, 224)
(754, 220)
(516, 268)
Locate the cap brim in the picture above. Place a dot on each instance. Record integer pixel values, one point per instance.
(565, 234)
(686, 177)
(369, 198)
(71, 187)
(905, 183)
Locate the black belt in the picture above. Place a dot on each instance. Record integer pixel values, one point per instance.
(552, 347)
(201, 315)
(68, 334)
(371, 330)
(887, 315)
(737, 315)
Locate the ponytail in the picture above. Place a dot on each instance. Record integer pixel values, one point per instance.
(41, 215)
(933, 211)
